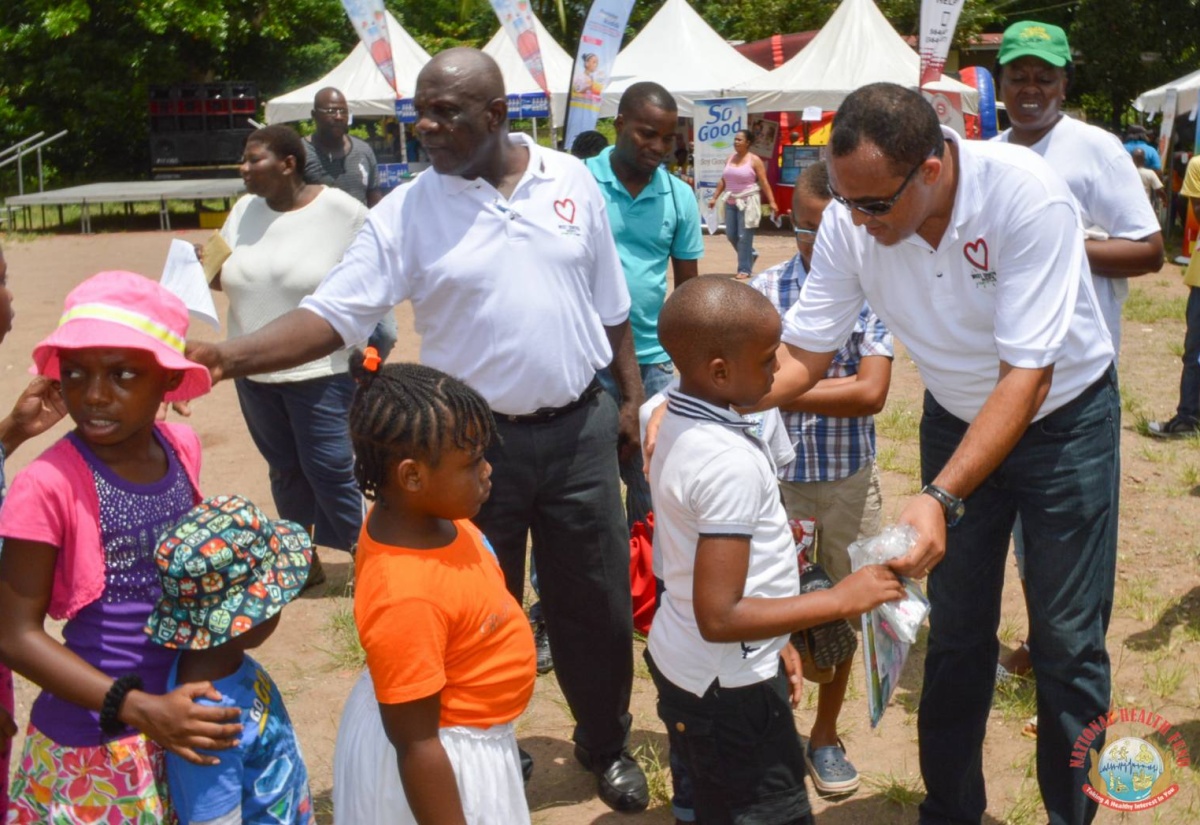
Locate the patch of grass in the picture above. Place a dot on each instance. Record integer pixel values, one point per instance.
(1148, 452)
(1026, 808)
(1189, 477)
(1175, 348)
(1143, 308)
(1016, 698)
(904, 791)
(1010, 631)
(898, 423)
(1165, 678)
(1136, 598)
(658, 773)
(347, 652)
(1131, 402)
(902, 463)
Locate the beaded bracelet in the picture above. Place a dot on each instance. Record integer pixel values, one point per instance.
(109, 710)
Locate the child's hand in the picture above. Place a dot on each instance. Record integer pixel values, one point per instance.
(179, 724)
(868, 588)
(39, 408)
(794, 669)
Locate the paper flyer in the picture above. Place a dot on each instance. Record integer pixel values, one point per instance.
(184, 276)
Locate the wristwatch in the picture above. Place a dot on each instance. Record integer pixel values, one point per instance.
(952, 505)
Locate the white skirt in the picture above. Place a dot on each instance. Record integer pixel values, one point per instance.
(366, 777)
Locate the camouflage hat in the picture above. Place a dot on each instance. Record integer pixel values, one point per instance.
(225, 567)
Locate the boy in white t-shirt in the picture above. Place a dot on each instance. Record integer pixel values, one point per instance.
(729, 563)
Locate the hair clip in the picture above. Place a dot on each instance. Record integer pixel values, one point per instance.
(371, 359)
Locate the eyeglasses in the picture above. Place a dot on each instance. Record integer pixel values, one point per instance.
(333, 112)
(805, 235)
(879, 208)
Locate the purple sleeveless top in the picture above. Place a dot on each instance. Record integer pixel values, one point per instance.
(109, 633)
(739, 178)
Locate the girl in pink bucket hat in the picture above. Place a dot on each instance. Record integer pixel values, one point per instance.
(80, 529)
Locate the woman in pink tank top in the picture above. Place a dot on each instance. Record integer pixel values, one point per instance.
(744, 184)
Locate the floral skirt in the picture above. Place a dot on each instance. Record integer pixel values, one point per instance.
(118, 783)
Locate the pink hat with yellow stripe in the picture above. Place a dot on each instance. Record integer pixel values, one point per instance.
(127, 311)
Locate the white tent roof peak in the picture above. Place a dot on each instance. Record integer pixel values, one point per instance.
(679, 50)
(358, 78)
(517, 80)
(857, 46)
(1188, 87)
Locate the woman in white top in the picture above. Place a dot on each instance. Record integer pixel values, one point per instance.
(286, 235)
(1034, 70)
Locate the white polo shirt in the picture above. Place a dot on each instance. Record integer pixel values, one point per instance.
(510, 295)
(1102, 177)
(1008, 282)
(711, 474)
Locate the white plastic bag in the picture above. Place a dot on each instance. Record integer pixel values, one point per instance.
(905, 616)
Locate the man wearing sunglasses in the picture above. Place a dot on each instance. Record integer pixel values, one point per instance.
(973, 254)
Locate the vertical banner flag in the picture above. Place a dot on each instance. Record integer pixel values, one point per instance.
(939, 18)
(370, 23)
(598, 46)
(1170, 101)
(716, 121)
(517, 19)
(1191, 232)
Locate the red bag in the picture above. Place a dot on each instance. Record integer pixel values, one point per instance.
(641, 574)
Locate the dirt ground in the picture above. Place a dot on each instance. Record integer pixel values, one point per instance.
(1155, 627)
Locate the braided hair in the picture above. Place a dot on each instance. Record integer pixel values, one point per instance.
(403, 411)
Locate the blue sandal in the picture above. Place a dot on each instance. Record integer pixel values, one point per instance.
(832, 774)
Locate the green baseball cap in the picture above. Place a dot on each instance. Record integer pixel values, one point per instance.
(1029, 38)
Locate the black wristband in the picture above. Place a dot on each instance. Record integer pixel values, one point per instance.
(111, 708)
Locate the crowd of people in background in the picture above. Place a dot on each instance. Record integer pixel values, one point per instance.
(559, 303)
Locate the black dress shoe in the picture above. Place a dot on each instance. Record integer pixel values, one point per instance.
(621, 783)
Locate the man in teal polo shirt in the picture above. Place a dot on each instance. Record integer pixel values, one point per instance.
(654, 220)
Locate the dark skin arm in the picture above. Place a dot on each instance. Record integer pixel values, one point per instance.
(723, 614)
(425, 770)
(628, 377)
(852, 396)
(1001, 422)
(296, 338)
(174, 720)
(1123, 258)
(683, 271)
(374, 196)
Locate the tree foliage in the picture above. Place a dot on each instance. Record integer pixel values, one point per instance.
(87, 65)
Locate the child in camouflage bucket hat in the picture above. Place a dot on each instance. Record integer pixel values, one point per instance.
(226, 572)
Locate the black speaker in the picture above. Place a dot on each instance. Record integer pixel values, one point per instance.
(226, 146)
(178, 149)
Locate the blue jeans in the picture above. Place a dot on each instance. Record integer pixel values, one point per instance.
(385, 335)
(741, 238)
(655, 379)
(1189, 380)
(301, 429)
(1062, 478)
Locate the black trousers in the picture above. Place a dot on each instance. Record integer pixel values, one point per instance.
(558, 482)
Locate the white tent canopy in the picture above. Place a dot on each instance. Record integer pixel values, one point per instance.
(1188, 86)
(517, 80)
(856, 47)
(358, 78)
(680, 51)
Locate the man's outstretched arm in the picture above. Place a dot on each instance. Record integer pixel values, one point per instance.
(296, 338)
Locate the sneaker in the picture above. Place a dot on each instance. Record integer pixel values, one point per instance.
(541, 642)
(831, 772)
(1177, 427)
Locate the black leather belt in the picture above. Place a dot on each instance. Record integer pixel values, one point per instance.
(550, 413)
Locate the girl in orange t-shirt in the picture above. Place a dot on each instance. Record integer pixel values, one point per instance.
(427, 733)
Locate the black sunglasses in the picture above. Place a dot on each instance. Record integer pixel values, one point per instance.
(879, 208)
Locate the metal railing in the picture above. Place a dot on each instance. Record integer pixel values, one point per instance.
(21, 151)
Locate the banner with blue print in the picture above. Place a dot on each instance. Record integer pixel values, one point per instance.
(599, 43)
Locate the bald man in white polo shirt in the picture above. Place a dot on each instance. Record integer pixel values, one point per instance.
(505, 251)
(973, 254)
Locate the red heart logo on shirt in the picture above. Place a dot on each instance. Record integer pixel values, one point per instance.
(976, 254)
(565, 209)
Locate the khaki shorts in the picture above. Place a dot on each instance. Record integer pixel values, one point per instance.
(845, 510)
